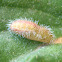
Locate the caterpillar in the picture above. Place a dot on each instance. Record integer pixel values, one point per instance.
(32, 31)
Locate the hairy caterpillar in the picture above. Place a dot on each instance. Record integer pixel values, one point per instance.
(31, 30)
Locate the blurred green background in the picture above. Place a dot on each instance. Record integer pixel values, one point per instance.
(14, 48)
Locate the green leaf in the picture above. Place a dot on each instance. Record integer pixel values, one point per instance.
(16, 48)
(51, 53)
